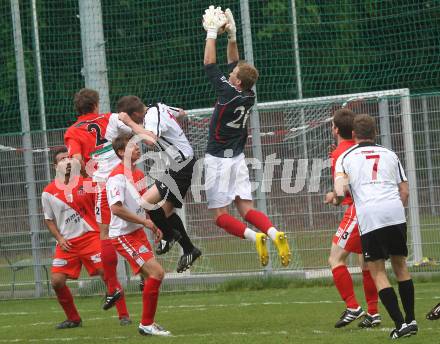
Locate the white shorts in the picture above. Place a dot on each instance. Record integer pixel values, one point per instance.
(225, 179)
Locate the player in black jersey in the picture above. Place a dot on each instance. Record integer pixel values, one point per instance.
(226, 173)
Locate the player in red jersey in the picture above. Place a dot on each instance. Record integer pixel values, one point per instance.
(89, 141)
(69, 216)
(347, 239)
(125, 186)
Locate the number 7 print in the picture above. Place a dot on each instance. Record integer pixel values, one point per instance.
(376, 158)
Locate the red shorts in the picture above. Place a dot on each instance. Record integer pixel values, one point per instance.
(102, 209)
(347, 236)
(135, 248)
(86, 250)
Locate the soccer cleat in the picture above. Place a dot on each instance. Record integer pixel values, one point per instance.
(403, 331)
(261, 247)
(111, 299)
(434, 313)
(153, 330)
(413, 327)
(348, 316)
(370, 321)
(164, 246)
(283, 248)
(142, 283)
(68, 324)
(188, 259)
(124, 321)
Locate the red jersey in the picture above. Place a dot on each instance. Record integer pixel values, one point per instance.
(91, 136)
(341, 148)
(73, 212)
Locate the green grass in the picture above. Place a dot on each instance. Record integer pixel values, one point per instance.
(249, 314)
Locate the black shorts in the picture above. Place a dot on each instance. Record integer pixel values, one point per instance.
(385, 242)
(181, 178)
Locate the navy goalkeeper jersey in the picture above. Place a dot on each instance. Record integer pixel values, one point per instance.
(228, 128)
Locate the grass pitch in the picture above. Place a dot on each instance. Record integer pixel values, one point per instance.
(288, 315)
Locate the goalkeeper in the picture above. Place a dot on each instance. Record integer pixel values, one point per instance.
(226, 173)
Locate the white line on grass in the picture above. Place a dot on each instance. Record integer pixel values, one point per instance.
(69, 339)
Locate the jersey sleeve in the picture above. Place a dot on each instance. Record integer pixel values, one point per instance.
(172, 110)
(115, 188)
(400, 173)
(73, 146)
(153, 123)
(339, 167)
(118, 125)
(223, 89)
(47, 207)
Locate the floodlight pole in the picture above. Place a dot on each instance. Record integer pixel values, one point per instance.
(300, 96)
(255, 118)
(413, 202)
(27, 145)
(38, 71)
(93, 48)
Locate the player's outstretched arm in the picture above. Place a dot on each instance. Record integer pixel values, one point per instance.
(147, 136)
(231, 29)
(213, 20)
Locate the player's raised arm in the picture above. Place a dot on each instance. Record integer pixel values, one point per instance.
(213, 20)
(132, 112)
(231, 29)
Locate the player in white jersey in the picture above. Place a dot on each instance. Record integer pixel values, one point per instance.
(127, 224)
(69, 216)
(378, 185)
(160, 129)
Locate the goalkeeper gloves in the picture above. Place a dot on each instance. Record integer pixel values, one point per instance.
(213, 20)
(230, 28)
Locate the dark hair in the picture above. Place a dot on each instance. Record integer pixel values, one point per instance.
(364, 126)
(120, 143)
(247, 74)
(130, 104)
(86, 100)
(343, 120)
(57, 152)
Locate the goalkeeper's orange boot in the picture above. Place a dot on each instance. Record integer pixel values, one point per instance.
(261, 247)
(283, 248)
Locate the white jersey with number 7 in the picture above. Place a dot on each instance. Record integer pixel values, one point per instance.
(374, 173)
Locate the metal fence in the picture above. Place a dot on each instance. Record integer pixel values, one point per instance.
(295, 176)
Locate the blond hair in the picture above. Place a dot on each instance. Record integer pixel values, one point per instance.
(247, 74)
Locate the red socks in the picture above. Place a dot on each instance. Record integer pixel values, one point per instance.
(109, 263)
(65, 299)
(259, 220)
(370, 292)
(149, 300)
(231, 225)
(344, 284)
